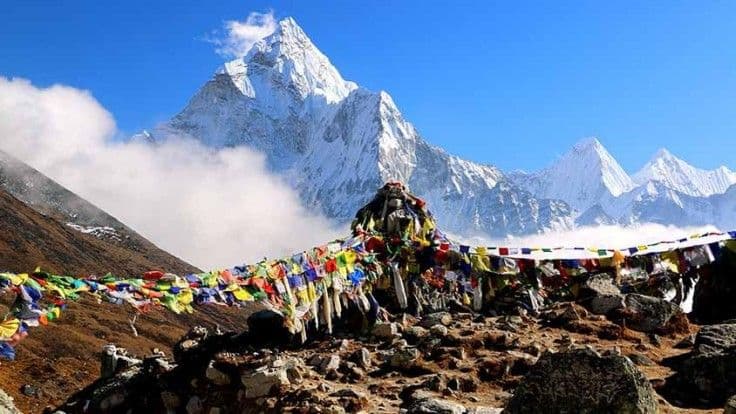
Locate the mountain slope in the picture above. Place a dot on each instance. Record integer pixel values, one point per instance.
(338, 142)
(683, 177)
(581, 177)
(46, 224)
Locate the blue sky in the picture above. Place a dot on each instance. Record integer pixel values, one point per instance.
(508, 83)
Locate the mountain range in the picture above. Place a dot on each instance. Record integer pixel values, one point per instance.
(337, 142)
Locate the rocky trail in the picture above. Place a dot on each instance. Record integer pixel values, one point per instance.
(441, 363)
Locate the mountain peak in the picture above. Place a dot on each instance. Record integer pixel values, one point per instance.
(580, 177)
(667, 169)
(663, 153)
(288, 53)
(590, 143)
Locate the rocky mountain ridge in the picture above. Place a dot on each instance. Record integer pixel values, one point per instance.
(337, 142)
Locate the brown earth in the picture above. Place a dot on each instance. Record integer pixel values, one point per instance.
(63, 357)
(29, 239)
(477, 363)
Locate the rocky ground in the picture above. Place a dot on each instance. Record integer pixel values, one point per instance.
(606, 352)
(63, 357)
(441, 363)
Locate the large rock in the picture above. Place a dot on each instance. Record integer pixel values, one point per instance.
(706, 376)
(730, 407)
(437, 318)
(265, 382)
(583, 381)
(7, 405)
(600, 295)
(385, 330)
(422, 402)
(713, 301)
(435, 406)
(268, 327)
(649, 314)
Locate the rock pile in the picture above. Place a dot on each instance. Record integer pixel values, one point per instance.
(598, 357)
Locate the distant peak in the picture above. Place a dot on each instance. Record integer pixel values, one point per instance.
(588, 143)
(663, 154)
(288, 23)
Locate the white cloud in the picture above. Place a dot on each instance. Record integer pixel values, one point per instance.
(610, 237)
(240, 36)
(210, 207)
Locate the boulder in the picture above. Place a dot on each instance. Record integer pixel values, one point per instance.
(215, 375)
(264, 382)
(329, 363)
(7, 405)
(730, 407)
(583, 381)
(415, 333)
(707, 375)
(385, 330)
(422, 402)
(404, 358)
(600, 294)
(363, 358)
(270, 328)
(713, 300)
(435, 406)
(439, 331)
(432, 319)
(649, 314)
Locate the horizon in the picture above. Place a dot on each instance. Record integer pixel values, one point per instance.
(137, 86)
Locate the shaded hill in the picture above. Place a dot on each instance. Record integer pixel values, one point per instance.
(64, 357)
(42, 223)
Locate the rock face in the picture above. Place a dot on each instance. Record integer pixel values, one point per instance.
(707, 376)
(649, 314)
(582, 381)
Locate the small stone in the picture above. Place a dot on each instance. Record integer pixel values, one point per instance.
(415, 332)
(640, 359)
(29, 390)
(216, 376)
(385, 330)
(404, 358)
(442, 318)
(439, 330)
(363, 358)
(322, 387)
(171, 401)
(329, 363)
(332, 375)
(194, 406)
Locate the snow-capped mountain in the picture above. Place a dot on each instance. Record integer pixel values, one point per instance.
(581, 177)
(338, 142)
(683, 177)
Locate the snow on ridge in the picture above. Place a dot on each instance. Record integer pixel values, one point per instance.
(677, 174)
(100, 232)
(338, 142)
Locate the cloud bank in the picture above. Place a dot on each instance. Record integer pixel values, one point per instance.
(213, 208)
(240, 36)
(614, 237)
